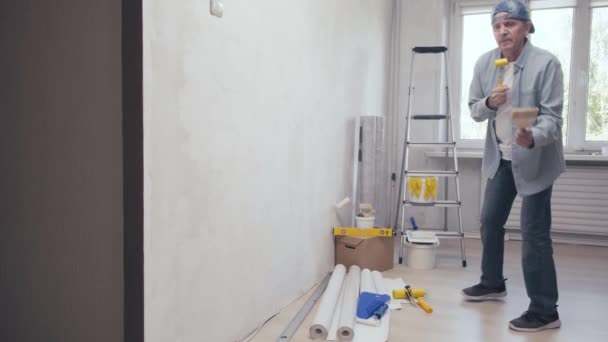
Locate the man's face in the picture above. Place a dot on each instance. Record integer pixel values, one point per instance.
(509, 33)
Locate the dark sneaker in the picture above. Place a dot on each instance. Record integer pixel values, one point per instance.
(480, 292)
(531, 322)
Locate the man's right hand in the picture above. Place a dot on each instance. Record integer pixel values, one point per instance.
(497, 98)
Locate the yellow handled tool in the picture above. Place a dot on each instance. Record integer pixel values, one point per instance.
(500, 64)
(424, 305)
(419, 301)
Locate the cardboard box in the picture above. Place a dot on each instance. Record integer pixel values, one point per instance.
(375, 253)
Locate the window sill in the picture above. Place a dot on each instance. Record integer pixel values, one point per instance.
(478, 154)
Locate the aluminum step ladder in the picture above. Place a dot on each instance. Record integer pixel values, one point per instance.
(449, 145)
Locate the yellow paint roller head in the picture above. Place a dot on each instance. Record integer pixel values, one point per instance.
(402, 293)
(501, 62)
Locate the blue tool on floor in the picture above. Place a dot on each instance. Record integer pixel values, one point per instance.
(372, 305)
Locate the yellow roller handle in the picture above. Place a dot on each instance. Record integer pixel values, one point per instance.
(499, 83)
(426, 307)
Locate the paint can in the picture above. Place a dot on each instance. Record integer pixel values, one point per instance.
(364, 222)
(421, 256)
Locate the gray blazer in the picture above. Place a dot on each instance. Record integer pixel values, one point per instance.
(537, 82)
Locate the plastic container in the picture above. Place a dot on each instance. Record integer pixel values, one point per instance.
(364, 222)
(421, 256)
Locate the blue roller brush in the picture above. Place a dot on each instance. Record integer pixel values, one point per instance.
(372, 305)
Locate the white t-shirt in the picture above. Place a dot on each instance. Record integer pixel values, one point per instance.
(504, 123)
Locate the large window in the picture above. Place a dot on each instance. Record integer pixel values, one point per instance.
(575, 31)
(597, 108)
(555, 34)
(477, 42)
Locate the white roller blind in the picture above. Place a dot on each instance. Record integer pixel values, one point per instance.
(546, 4)
(599, 3)
(476, 7)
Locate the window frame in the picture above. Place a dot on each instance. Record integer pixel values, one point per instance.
(579, 65)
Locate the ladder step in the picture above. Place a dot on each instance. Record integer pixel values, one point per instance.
(430, 49)
(432, 173)
(454, 234)
(443, 204)
(430, 116)
(438, 232)
(432, 144)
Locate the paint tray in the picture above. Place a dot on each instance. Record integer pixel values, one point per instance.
(421, 237)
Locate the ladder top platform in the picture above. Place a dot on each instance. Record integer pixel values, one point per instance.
(430, 49)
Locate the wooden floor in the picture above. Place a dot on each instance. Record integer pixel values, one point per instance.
(582, 273)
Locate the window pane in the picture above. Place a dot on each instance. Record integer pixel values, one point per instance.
(554, 33)
(477, 39)
(597, 112)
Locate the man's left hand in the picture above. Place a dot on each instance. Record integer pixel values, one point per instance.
(524, 137)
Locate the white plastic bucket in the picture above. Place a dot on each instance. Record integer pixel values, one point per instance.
(421, 256)
(364, 222)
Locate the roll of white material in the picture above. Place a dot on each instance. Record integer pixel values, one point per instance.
(349, 307)
(332, 334)
(379, 283)
(367, 283)
(367, 333)
(322, 320)
(342, 203)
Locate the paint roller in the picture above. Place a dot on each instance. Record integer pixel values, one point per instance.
(500, 64)
(371, 307)
(419, 301)
(414, 296)
(344, 212)
(342, 203)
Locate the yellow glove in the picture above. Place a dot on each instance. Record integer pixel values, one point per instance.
(430, 188)
(414, 186)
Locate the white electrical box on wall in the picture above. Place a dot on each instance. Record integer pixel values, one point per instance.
(216, 7)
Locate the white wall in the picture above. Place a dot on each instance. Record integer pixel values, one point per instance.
(61, 246)
(248, 144)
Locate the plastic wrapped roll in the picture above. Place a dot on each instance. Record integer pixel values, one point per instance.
(372, 167)
(322, 320)
(349, 306)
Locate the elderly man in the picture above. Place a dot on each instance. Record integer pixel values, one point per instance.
(519, 161)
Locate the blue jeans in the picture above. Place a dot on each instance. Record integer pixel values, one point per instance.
(537, 251)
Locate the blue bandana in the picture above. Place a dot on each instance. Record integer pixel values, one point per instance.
(513, 9)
